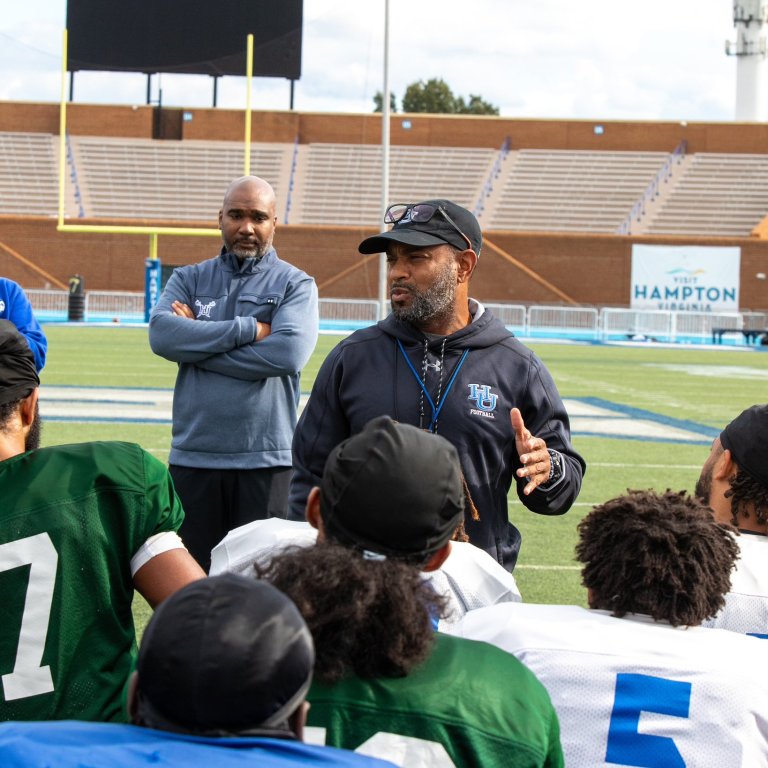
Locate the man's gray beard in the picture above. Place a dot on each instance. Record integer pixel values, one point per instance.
(434, 303)
(251, 253)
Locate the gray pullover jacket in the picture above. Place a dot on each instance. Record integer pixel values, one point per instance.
(235, 402)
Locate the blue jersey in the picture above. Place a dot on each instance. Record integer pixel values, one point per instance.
(15, 306)
(71, 744)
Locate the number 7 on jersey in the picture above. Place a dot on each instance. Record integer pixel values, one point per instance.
(29, 677)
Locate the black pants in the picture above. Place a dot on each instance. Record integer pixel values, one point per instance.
(217, 500)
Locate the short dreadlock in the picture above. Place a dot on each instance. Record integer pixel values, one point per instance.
(657, 554)
(747, 495)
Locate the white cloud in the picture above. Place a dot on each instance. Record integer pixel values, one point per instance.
(598, 59)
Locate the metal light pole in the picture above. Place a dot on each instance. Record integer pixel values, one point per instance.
(383, 303)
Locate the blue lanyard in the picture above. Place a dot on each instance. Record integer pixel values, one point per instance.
(435, 409)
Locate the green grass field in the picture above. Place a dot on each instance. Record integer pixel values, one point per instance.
(704, 386)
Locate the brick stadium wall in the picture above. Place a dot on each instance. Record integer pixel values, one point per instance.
(425, 130)
(592, 269)
(229, 125)
(82, 119)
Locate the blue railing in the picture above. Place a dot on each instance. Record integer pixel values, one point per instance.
(493, 174)
(291, 179)
(74, 180)
(652, 190)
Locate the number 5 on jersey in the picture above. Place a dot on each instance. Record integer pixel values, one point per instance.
(643, 693)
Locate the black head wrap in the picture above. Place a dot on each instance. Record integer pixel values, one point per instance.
(746, 437)
(18, 376)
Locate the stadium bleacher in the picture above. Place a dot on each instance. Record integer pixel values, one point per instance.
(28, 174)
(583, 191)
(712, 194)
(715, 194)
(340, 183)
(144, 178)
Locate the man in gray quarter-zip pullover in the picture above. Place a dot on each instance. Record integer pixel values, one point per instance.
(240, 326)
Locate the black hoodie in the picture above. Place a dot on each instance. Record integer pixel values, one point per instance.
(474, 378)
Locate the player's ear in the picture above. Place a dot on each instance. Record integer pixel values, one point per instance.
(438, 558)
(466, 262)
(725, 466)
(29, 408)
(314, 517)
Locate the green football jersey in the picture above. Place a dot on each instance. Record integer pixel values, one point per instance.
(71, 519)
(468, 705)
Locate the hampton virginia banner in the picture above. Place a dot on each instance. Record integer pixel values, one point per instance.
(685, 278)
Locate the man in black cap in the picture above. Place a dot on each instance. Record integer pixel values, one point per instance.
(222, 676)
(734, 483)
(81, 526)
(225, 656)
(443, 363)
(389, 501)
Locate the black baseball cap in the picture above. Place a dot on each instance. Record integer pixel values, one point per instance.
(746, 437)
(392, 490)
(18, 375)
(226, 655)
(436, 231)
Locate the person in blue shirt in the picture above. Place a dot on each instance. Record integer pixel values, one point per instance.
(15, 306)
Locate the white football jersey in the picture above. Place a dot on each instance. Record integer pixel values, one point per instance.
(636, 692)
(746, 605)
(470, 578)
(258, 541)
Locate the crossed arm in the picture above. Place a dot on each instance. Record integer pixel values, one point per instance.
(241, 347)
(180, 309)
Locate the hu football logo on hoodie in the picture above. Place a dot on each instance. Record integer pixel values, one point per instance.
(484, 399)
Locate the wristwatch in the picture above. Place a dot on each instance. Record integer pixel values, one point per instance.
(555, 465)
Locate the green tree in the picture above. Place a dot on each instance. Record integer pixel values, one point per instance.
(436, 97)
(433, 97)
(378, 102)
(475, 106)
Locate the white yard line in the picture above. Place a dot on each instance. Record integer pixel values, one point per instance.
(623, 464)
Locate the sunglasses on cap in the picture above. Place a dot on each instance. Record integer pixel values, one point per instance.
(419, 213)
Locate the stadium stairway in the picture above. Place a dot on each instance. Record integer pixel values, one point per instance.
(652, 206)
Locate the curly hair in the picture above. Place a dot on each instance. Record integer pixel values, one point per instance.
(369, 618)
(747, 495)
(658, 554)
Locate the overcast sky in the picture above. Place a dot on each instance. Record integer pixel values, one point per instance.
(595, 59)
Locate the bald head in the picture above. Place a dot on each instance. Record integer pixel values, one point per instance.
(247, 217)
(252, 185)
